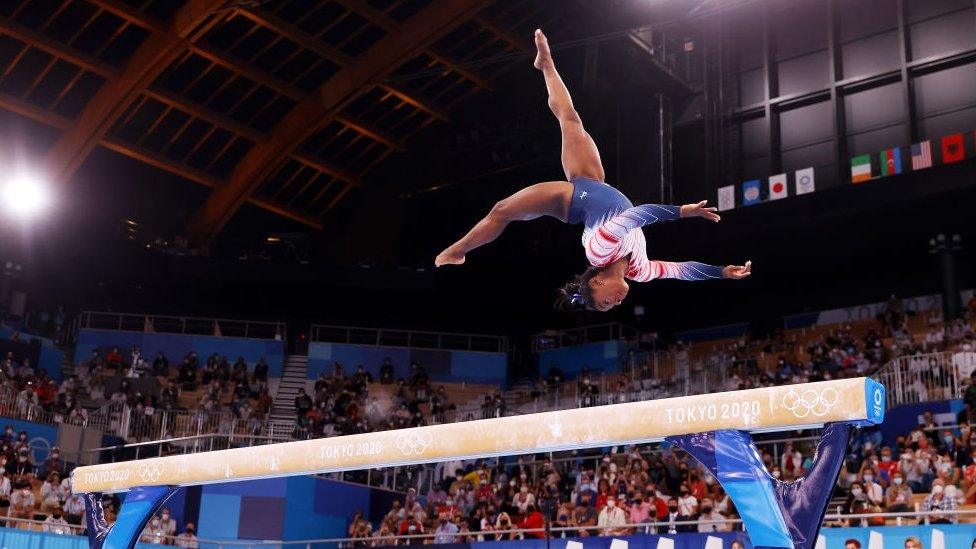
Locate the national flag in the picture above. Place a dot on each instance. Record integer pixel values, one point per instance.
(804, 181)
(726, 198)
(952, 149)
(777, 187)
(922, 155)
(890, 161)
(861, 168)
(750, 192)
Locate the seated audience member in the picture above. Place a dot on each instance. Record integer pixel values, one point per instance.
(912, 542)
(383, 536)
(22, 500)
(410, 526)
(53, 464)
(585, 514)
(674, 516)
(504, 527)
(446, 531)
(74, 509)
(899, 494)
(167, 524)
(641, 511)
(52, 493)
(533, 521)
(941, 499)
(872, 490)
(55, 523)
(852, 544)
(188, 539)
(711, 520)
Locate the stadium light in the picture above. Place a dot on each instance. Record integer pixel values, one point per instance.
(24, 195)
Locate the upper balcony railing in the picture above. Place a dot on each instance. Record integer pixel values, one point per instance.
(222, 327)
(409, 338)
(554, 339)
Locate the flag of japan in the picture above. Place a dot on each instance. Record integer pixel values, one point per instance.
(777, 187)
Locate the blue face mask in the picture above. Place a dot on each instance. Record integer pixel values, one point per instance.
(947, 438)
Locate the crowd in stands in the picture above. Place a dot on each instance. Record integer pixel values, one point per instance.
(341, 403)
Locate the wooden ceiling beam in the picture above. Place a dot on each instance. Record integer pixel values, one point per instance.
(205, 114)
(55, 48)
(149, 60)
(131, 14)
(416, 35)
(411, 98)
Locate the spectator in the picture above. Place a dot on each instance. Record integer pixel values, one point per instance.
(188, 539)
(585, 514)
(504, 527)
(687, 503)
(302, 403)
(410, 526)
(74, 509)
(940, 499)
(446, 531)
(160, 365)
(872, 490)
(22, 501)
(852, 544)
(383, 536)
(612, 519)
(641, 511)
(386, 372)
(710, 520)
(673, 517)
(899, 494)
(912, 542)
(533, 521)
(53, 495)
(856, 503)
(166, 524)
(54, 463)
(55, 523)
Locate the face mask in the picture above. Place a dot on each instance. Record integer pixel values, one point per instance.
(56, 515)
(906, 457)
(898, 480)
(947, 438)
(584, 503)
(885, 458)
(155, 522)
(937, 489)
(165, 516)
(673, 509)
(449, 502)
(524, 490)
(190, 531)
(868, 478)
(707, 509)
(856, 492)
(946, 466)
(611, 503)
(638, 501)
(55, 455)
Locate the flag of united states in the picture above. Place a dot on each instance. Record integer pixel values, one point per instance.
(921, 155)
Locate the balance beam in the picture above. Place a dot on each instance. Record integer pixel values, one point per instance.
(714, 428)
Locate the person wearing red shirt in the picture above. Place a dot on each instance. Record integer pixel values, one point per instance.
(698, 487)
(533, 521)
(411, 526)
(114, 358)
(887, 466)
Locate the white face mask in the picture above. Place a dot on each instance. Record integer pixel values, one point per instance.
(868, 478)
(856, 492)
(898, 481)
(937, 489)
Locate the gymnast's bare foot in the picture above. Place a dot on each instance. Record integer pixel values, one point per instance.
(543, 57)
(449, 257)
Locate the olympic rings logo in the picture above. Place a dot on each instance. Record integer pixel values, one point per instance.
(150, 472)
(810, 402)
(410, 445)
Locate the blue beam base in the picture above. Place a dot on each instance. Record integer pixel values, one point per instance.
(777, 515)
(138, 508)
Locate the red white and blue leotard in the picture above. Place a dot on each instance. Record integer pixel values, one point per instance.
(612, 230)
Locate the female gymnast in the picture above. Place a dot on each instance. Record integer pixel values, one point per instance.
(612, 236)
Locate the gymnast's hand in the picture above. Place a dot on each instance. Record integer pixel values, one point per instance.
(699, 210)
(448, 257)
(738, 272)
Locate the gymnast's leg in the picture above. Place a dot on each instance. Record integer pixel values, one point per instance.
(580, 156)
(551, 198)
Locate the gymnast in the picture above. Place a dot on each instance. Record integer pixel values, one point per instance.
(612, 236)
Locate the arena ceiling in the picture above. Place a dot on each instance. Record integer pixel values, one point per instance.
(284, 104)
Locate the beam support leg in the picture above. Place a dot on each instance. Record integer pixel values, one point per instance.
(138, 508)
(777, 515)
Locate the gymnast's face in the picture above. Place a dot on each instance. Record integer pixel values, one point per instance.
(608, 290)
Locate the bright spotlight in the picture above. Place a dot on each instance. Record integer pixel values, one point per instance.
(24, 195)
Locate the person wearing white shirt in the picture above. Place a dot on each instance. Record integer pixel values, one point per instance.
(55, 524)
(188, 538)
(873, 490)
(611, 519)
(523, 499)
(687, 503)
(166, 524)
